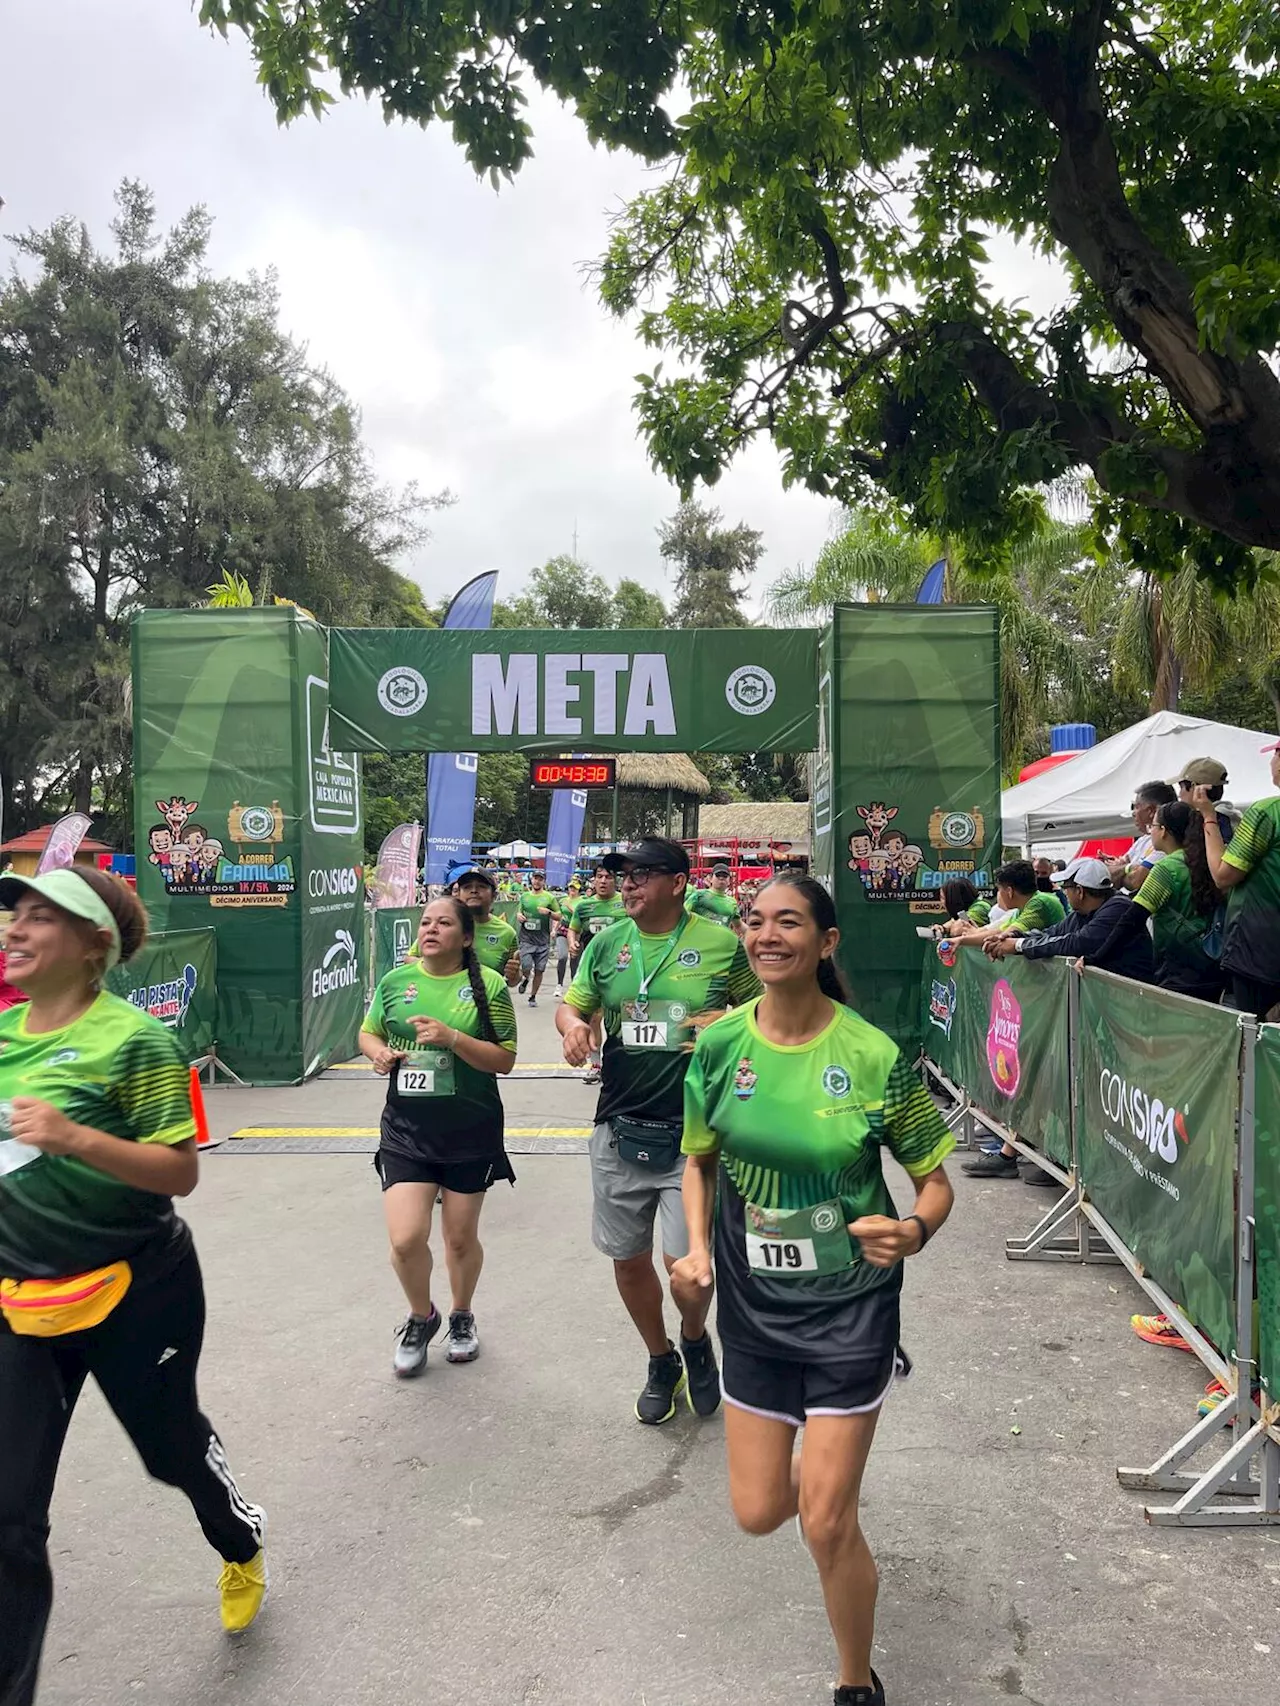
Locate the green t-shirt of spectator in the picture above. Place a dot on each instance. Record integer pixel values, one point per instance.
(1251, 947)
(1037, 912)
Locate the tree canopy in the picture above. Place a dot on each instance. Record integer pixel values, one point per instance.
(816, 260)
(159, 435)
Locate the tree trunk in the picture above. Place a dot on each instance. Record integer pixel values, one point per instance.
(82, 793)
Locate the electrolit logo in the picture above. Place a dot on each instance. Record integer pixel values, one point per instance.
(1002, 1039)
(1144, 1117)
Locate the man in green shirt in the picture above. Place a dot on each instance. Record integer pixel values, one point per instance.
(1017, 893)
(653, 977)
(1248, 870)
(715, 903)
(496, 943)
(535, 912)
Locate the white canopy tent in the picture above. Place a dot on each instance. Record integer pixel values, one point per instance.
(1089, 796)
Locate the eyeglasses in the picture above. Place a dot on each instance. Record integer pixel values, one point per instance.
(640, 874)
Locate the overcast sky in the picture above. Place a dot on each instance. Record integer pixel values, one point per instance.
(455, 316)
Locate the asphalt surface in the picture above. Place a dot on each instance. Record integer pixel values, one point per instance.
(506, 1534)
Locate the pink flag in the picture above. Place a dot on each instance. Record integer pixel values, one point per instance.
(65, 836)
(396, 879)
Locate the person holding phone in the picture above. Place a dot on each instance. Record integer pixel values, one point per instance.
(789, 1100)
(442, 1029)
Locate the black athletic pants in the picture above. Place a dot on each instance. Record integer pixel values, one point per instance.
(144, 1357)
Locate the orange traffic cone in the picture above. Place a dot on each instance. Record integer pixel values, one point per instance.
(203, 1140)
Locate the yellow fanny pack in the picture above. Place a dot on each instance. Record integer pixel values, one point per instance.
(47, 1308)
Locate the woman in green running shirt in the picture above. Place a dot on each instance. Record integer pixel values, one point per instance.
(98, 1276)
(441, 1028)
(789, 1100)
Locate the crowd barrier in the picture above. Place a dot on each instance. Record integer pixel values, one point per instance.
(1160, 1118)
(175, 978)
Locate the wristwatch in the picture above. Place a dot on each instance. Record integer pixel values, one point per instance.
(1018, 942)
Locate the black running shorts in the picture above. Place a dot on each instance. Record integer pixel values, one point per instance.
(467, 1178)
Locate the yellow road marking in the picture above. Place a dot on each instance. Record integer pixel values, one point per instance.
(373, 1131)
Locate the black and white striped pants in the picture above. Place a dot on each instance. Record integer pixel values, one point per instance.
(144, 1358)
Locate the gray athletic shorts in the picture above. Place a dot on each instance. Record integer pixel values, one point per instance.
(533, 953)
(625, 1200)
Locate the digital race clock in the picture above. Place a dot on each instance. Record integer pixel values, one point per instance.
(573, 773)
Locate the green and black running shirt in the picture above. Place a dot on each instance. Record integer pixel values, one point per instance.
(799, 1131)
(709, 903)
(592, 915)
(536, 909)
(1251, 946)
(495, 943)
(439, 1108)
(117, 1070)
(697, 968)
(1177, 928)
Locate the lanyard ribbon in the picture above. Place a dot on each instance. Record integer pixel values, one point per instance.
(646, 978)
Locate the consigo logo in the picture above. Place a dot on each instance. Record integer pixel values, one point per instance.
(751, 690)
(402, 691)
(336, 881)
(1143, 1116)
(339, 968)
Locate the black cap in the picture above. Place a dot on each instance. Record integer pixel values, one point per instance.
(656, 854)
(720, 871)
(465, 871)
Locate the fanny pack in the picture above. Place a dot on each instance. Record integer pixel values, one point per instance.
(48, 1308)
(654, 1144)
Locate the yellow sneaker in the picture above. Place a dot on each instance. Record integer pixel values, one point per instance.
(242, 1587)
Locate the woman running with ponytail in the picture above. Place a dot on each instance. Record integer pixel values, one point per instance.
(788, 1101)
(443, 1028)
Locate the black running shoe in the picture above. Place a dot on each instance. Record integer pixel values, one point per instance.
(998, 1166)
(657, 1403)
(523, 984)
(849, 1696)
(703, 1391)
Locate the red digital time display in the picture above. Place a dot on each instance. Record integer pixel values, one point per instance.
(573, 773)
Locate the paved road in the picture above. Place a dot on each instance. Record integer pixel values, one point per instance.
(505, 1534)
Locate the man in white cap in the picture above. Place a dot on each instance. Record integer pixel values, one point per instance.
(1093, 931)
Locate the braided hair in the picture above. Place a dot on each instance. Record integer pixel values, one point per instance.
(831, 980)
(471, 965)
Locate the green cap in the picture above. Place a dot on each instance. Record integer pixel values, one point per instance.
(69, 892)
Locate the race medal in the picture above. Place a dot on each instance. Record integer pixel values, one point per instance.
(794, 1243)
(426, 1073)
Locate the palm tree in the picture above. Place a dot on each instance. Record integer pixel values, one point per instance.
(1175, 631)
(874, 561)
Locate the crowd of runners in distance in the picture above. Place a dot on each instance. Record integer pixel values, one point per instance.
(743, 1110)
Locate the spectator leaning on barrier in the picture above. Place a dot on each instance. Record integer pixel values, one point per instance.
(1248, 869)
(1130, 870)
(965, 907)
(1017, 893)
(1183, 904)
(1091, 931)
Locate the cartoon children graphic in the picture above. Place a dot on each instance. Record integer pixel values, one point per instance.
(744, 1080)
(160, 841)
(195, 837)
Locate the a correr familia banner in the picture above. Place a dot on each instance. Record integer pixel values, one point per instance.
(1157, 1086)
(175, 979)
(629, 690)
(908, 776)
(248, 819)
(1000, 1030)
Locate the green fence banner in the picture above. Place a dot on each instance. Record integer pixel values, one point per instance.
(1000, 1030)
(913, 761)
(1158, 1093)
(1266, 1204)
(632, 690)
(248, 820)
(395, 930)
(175, 979)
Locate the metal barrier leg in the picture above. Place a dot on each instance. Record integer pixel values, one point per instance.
(1054, 1238)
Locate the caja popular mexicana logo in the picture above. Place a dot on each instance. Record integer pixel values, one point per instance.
(1143, 1116)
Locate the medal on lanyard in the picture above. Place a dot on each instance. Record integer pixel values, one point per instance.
(641, 1003)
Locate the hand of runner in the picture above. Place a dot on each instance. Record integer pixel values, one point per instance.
(885, 1241)
(385, 1059)
(433, 1033)
(42, 1126)
(577, 1044)
(513, 970)
(693, 1269)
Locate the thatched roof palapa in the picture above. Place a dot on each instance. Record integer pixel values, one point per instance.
(771, 820)
(655, 772)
